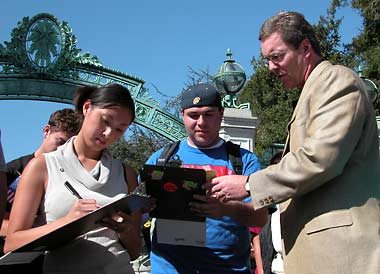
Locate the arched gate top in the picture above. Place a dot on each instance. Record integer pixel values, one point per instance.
(42, 62)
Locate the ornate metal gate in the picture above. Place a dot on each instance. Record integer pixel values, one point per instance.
(42, 62)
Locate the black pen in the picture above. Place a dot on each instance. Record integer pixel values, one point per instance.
(72, 190)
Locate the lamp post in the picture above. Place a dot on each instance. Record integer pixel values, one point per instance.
(229, 80)
(371, 86)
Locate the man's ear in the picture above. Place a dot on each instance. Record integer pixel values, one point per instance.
(306, 45)
(86, 107)
(46, 130)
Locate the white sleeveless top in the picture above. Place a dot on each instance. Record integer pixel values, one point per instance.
(98, 251)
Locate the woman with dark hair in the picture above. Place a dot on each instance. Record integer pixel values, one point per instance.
(88, 166)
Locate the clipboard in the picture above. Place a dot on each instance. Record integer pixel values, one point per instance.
(78, 227)
(173, 188)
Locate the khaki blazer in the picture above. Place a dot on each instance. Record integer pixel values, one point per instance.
(328, 178)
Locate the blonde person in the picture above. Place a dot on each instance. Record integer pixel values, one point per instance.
(88, 166)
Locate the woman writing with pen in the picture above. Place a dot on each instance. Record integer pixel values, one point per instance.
(76, 179)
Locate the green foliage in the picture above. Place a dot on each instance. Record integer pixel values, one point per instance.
(137, 148)
(365, 47)
(327, 32)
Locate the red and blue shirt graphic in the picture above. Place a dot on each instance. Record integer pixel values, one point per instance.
(227, 241)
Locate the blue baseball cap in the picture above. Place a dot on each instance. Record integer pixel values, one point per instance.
(201, 95)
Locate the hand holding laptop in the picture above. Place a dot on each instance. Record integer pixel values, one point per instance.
(173, 188)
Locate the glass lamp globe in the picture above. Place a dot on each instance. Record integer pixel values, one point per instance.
(231, 76)
(371, 88)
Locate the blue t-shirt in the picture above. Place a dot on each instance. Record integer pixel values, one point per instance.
(227, 241)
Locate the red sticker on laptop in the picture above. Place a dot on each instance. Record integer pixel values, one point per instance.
(170, 187)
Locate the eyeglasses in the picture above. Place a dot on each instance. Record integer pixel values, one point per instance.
(275, 57)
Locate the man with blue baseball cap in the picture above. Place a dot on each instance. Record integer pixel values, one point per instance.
(201, 95)
(226, 248)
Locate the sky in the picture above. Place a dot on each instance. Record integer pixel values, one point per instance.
(153, 40)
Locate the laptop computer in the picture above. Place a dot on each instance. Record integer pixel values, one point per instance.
(173, 188)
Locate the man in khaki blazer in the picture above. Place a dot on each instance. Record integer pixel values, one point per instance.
(329, 176)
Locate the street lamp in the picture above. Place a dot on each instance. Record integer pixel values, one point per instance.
(371, 86)
(230, 80)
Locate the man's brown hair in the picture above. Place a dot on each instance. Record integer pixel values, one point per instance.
(65, 120)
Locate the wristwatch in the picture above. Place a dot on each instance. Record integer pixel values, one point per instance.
(247, 187)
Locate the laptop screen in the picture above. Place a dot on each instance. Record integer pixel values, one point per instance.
(173, 188)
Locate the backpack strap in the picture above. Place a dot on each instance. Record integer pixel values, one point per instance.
(233, 151)
(167, 153)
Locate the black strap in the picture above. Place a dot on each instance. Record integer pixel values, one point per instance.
(233, 151)
(167, 153)
(234, 156)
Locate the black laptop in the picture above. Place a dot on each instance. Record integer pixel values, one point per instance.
(173, 187)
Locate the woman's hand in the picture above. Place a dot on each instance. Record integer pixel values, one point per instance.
(120, 222)
(152, 205)
(127, 227)
(81, 208)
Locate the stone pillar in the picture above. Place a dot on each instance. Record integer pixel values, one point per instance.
(239, 127)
